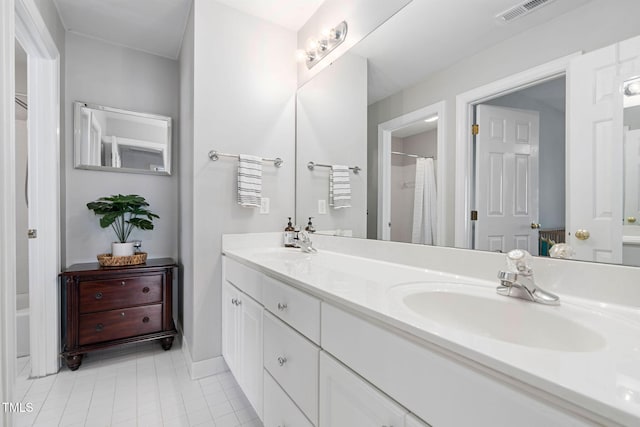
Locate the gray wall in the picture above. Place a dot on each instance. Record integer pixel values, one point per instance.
(244, 86)
(583, 29)
(115, 76)
(551, 203)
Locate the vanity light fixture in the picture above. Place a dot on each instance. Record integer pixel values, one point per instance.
(431, 119)
(632, 87)
(319, 48)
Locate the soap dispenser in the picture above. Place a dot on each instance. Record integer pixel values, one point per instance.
(289, 235)
(309, 228)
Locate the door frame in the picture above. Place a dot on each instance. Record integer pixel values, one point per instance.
(385, 131)
(465, 103)
(7, 208)
(44, 185)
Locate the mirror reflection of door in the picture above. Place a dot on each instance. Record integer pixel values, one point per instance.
(631, 126)
(413, 182)
(519, 153)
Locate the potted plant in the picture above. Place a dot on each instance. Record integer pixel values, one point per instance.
(123, 214)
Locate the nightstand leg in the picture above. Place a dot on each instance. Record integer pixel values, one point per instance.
(74, 362)
(166, 343)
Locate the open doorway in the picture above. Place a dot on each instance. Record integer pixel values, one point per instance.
(22, 212)
(519, 176)
(414, 155)
(410, 183)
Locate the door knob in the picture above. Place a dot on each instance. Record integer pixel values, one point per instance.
(535, 225)
(582, 234)
(631, 219)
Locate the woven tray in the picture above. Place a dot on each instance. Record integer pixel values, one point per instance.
(106, 260)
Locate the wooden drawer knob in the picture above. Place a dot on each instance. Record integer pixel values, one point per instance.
(99, 327)
(145, 290)
(123, 283)
(98, 295)
(145, 319)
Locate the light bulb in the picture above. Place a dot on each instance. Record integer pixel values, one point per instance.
(312, 44)
(301, 55)
(326, 32)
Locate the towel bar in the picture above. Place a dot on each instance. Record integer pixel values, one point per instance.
(312, 165)
(215, 155)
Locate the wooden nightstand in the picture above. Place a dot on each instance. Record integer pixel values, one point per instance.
(108, 306)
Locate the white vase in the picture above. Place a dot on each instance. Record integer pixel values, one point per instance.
(122, 249)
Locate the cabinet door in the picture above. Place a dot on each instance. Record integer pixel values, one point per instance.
(250, 351)
(346, 400)
(230, 327)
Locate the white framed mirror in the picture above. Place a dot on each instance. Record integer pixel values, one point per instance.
(115, 140)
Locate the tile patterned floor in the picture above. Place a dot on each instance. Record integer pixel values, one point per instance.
(139, 385)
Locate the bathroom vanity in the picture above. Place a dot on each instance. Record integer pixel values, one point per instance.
(407, 335)
(109, 306)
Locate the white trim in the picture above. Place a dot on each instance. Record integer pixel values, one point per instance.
(44, 186)
(631, 240)
(7, 209)
(202, 368)
(464, 119)
(384, 166)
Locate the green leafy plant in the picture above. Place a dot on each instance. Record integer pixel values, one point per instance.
(123, 214)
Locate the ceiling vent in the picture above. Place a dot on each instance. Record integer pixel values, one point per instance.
(521, 10)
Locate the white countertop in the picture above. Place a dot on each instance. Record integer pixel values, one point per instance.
(605, 381)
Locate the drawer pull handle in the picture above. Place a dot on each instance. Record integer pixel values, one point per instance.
(122, 314)
(99, 327)
(282, 360)
(123, 283)
(145, 290)
(282, 307)
(98, 295)
(238, 302)
(234, 301)
(145, 319)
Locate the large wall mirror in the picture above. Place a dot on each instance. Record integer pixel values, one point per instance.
(115, 140)
(394, 111)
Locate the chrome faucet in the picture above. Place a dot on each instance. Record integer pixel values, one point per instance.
(303, 241)
(517, 281)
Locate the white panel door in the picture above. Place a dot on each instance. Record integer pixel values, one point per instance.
(250, 351)
(507, 179)
(346, 400)
(230, 327)
(632, 176)
(594, 157)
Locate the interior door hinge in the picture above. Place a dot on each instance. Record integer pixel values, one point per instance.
(474, 215)
(475, 128)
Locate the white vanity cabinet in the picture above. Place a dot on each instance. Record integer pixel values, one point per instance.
(279, 409)
(242, 346)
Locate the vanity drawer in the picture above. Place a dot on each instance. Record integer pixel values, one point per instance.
(101, 295)
(244, 278)
(116, 324)
(279, 410)
(298, 309)
(292, 360)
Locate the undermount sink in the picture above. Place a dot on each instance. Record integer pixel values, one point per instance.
(479, 311)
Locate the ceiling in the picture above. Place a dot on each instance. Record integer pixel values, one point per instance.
(428, 36)
(415, 128)
(153, 26)
(157, 26)
(290, 14)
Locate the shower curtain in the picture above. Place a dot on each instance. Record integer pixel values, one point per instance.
(424, 203)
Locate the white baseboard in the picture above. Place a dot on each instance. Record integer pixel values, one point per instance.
(202, 368)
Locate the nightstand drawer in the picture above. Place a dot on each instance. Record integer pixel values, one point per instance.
(116, 324)
(101, 295)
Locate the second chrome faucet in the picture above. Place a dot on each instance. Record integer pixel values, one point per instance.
(517, 280)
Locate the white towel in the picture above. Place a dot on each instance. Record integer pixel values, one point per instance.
(424, 203)
(339, 187)
(249, 181)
